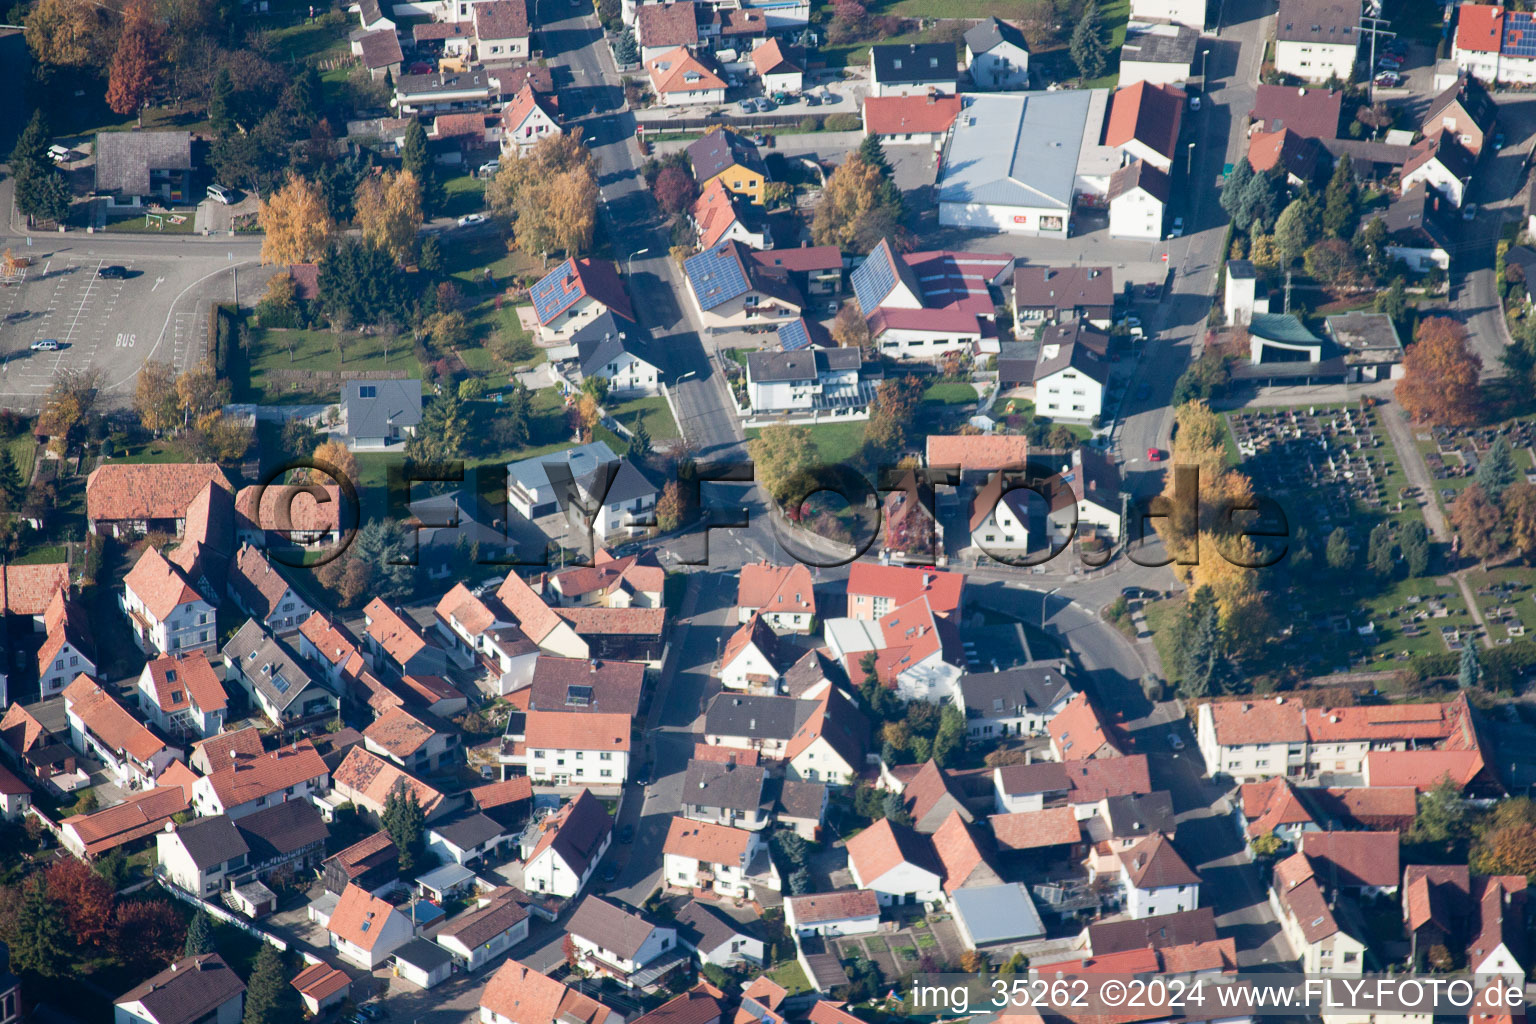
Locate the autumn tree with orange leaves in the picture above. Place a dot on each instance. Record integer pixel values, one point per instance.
(133, 65)
(1440, 375)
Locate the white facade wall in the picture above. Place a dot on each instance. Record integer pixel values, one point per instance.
(1070, 395)
(1436, 175)
(66, 665)
(1136, 214)
(1046, 222)
(905, 883)
(1180, 12)
(1316, 62)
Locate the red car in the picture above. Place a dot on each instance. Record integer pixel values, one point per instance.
(1154, 455)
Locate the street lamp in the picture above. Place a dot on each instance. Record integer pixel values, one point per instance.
(1203, 55)
(629, 266)
(1189, 162)
(1043, 597)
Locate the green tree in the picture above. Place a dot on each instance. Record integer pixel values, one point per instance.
(1340, 555)
(1394, 300)
(1342, 201)
(1441, 823)
(359, 284)
(415, 157)
(1470, 672)
(1300, 225)
(895, 810)
(199, 935)
(304, 98)
(1263, 198)
(1234, 193)
(444, 429)
(1379, 550)
(1266, 845)
(949, 740)
(1203, 654)
(221, 103)
(1413, 541)
(405, 822)
(514, 421)
(11, 487)
(269, 998)
(383, 547)
(782, 454)
(873, 153)
(1014, 965)
(639, 443)
(1497, 470)
(40, 942)
(1087, 45)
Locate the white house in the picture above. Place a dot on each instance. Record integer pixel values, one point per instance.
(663, 27)
(1162, 55)
(482, 629)
(1317, 39)
(1307, 917)
(592, 483)
(247, 783)
(101, 727)
(1488, 44)
(895, 863)
(927, 305)
(732, 291)
(718, 858)
(478, 936)
(1072, 372)
(575, 293)
(1013, 702)
(182, 696)
(1094, 480)
(1138, 201)
(717, 938)
(832, 913)
(775, 69)
(199, 989)
(1025, 788)
(617, 941)
(568, 847)
(913, 69)
(809, 384)
(999, 520)
(67, 650)
(1420, 228)
(783, 596)
(166, 612)
(526, 120)
(567, 748)
(501, 29)
(411, 742)
(753, 659)
(606, 349)
(1157, 880)
(997, 55)
(1179, 12)
(681, 79)
(199, 855)
(465, 839)
(365, 929)
(1441, 163)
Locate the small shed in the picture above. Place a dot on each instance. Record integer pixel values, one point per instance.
(321, 986)
(994, 915)
(321, 909)
(422, 963)
(445, 882)
(254, 899)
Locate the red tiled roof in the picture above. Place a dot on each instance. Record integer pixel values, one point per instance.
(522, 107)
(834, 906)
(519, 993)
(725, 755)
(247, 778)
(320, 981)
(259, 586)
(185, 680)
(902, 585)
(1193, 957)
(1242, 722)
(452, 126)
(501, 19)
(370, 779)
(931, 113)
(159, 584)
(1422, 769)
(1270, 804)
(680, 71)
(1353, 858)
(28, 589)
(1153, 863)
(500, 794)
(1150, 114)
(109, 721)
(429, 690)
(335, 643)
(1030, 830)
(666, 24)
(632, 572)
(1371, 807)
(396, 634)
(534, 617)
(770, 58)
(399, 732)
(699, 1005)
(1480, 28)
(979, 452)
(1077, 732)
(163, 490)
(706, 842)
(884, 846)
(142, 814)
(1101, 777)
(1427, 888)
(1310, 113)
(220, 749)
(289, 508)
(565, 730)
(359, 917)
(959, 854)
(714, 212)
(1379, 722)
(776, 588)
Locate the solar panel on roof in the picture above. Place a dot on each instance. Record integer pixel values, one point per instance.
(873, 280)
(279, 683)
(793, 336)
(555, 292)
(716, 276)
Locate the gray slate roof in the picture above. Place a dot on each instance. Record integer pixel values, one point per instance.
(914, 63)
(428, 956)
(1078, 345)
(1160, 48)
(1017, 149)
(189, 990)
(734, 787)
(800, 799)
(124, 159)
(211, 841)
(984, 35)
(468, 831)
(705, 928)
(1002, 694)
(801, 364)
(387, 401)
(617, 928)
(274, 669)
(732, 714)
(603, 339)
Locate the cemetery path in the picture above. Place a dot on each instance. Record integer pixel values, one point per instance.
(1401, 432)
(1477, 613)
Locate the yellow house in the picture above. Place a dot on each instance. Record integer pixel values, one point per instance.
(733, 160)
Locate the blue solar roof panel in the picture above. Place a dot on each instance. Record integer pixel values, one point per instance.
(873, 280)
(1519, 34)
(717, 276)
(794, 335)
(552, 296)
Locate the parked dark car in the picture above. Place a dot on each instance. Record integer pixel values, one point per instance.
(114, 272)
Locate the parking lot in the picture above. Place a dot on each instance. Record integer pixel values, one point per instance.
(158, 309)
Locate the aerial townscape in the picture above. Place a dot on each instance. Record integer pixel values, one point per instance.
(728, 511)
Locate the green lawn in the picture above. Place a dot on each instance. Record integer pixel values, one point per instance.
(270, 352)
(152, 451)
(653, 412)
(464, 194)
(1513, 606)
(836, 443)
(23, 453)
(973, 9)
(950, 392)
(790, 976)
(140, 224)
(316, 39)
